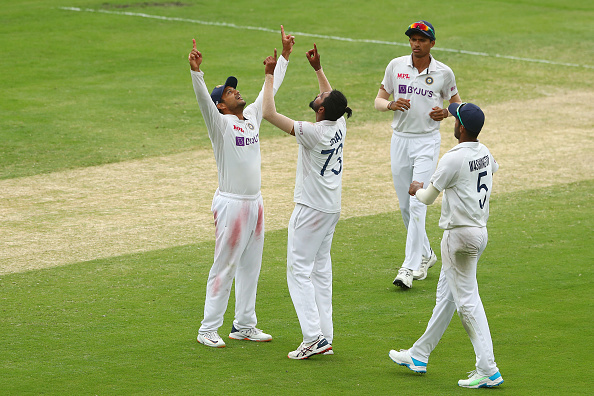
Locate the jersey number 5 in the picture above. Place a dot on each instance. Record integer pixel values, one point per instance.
(330, 153)
(480, 187)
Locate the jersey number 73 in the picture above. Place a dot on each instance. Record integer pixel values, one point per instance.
(331, 152)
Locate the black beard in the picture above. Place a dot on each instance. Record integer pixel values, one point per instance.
(312, 106)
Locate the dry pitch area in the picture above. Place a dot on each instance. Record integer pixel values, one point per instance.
(135, 206)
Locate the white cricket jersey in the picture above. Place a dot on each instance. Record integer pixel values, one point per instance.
(426, 90)
(465, 175)
(235, 142)
(318, 182)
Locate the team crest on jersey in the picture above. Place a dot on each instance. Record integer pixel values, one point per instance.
(429, 80)
(250, 125)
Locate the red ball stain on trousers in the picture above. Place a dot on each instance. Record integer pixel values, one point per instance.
(260, 223)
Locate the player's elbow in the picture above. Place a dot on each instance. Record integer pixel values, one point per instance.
(268, 113)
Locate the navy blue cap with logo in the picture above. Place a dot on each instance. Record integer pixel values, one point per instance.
(470, 116)
(422, 27)
(217, 93)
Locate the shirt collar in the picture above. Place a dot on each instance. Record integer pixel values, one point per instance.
(432, 65)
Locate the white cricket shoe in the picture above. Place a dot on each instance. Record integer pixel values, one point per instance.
(211, 339)
(252, 334)
(403, 358)
(475, 380)
(404, 278)
(306, 350)
(426, 263)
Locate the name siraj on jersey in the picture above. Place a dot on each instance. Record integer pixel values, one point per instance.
(337, 138)
(478, 164)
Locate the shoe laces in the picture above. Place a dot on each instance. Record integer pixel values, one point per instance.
(472, 373)
(212, 335)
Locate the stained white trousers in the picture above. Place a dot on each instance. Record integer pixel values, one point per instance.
(457, 289)
(309, 270)
(239, 232)
(413, 157)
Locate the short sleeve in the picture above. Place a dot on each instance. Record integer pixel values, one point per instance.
(446, 173)
(449, 85)
(388, 81)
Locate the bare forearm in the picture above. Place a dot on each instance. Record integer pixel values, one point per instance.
(323, 81)
(269, 108)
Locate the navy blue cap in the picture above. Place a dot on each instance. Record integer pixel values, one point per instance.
(217, 93)
(417, 27)
(470, 116)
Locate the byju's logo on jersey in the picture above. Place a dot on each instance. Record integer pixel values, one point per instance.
(405, 89)
(245, 141)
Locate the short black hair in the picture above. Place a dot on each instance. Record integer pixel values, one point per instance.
(335, 106)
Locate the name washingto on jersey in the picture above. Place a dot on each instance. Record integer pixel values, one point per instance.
(246, 141)
(337, 138)
(478, 164)
(405, 89)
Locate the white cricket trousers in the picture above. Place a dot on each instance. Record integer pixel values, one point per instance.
(309, 270)
(413, 157)
(457, 289)
(239, 232)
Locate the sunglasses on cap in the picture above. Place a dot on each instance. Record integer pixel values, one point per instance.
(458, 114)
(421, 26)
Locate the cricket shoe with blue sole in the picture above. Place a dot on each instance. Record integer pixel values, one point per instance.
(476, 380)
(403, 358)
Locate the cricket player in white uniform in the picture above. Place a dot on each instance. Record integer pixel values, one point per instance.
(317, 197)
(237, 204)
(465, 175)
(419, 85)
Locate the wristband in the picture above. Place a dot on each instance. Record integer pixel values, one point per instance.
(390, 105)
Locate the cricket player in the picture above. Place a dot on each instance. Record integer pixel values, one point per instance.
(237, 205)
(465, 175)
(419, 85)
(317, 199)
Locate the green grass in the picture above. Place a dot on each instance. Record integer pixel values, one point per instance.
(82, 89)
(128, 324)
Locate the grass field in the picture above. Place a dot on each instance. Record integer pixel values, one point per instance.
(84, 88)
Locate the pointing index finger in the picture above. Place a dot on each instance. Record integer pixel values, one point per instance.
(194, 41)
(282, 31)
(275, 54)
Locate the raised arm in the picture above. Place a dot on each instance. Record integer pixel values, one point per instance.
(314, 60)
(268, 106)
(209, 111)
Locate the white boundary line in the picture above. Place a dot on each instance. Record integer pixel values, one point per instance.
(263, 29)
